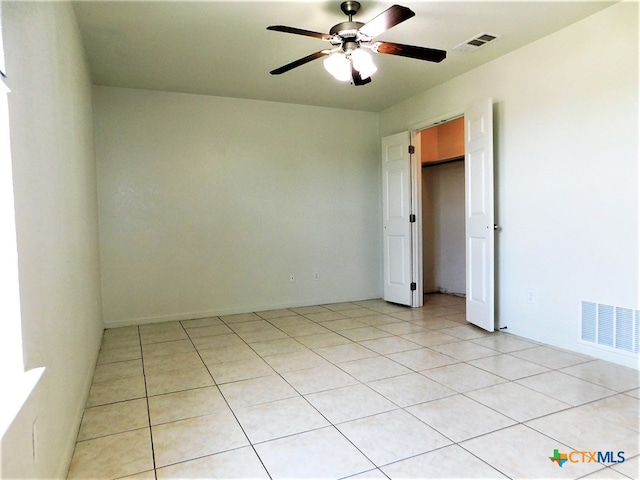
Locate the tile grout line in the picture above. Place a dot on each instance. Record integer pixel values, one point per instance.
(330, 423)
(146, 396)
(226, 400)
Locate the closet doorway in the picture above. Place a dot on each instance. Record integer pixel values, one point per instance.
(442, 159)
(402, 212)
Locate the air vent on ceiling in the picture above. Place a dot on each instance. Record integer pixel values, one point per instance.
(477, 41)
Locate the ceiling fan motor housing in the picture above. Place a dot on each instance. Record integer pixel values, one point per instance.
(349, 29)
(346, 29)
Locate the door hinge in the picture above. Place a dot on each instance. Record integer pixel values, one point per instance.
(412, 218)
(412, 149)
(413, 286)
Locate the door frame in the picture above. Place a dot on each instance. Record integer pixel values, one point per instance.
(416, 199)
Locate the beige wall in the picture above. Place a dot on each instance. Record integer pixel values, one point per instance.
(566, 144)
(208, 204)
(57, 230)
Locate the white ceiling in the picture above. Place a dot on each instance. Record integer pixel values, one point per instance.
(222, 48)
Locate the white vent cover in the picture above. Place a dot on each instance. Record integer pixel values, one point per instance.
(477, 41)
(614, 327)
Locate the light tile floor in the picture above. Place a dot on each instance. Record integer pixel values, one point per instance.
(361, 390)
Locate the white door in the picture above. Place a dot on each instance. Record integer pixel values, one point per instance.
(396, 208)
(479, 214)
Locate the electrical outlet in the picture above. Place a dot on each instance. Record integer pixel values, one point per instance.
(292, 277)
(531, 296)
(316, 276)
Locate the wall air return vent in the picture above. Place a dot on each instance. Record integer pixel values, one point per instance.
(476, 42)
(609, 326)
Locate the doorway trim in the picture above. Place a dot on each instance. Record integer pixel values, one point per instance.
(416, 199)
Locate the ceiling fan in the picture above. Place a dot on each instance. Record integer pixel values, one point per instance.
(347, 60)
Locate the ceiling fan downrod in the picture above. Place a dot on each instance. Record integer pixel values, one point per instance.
(348, 28)
(350, 8)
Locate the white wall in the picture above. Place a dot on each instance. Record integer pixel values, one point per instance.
(57, 230)
(566, 117)
(443, 231)
(207, 204)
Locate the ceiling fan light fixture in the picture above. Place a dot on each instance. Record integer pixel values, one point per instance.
(363, 63)
(337, 64)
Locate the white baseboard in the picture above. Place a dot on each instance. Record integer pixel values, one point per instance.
(228, 311)
(621, 358)
(70, 441)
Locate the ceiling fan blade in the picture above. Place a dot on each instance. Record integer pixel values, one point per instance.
(391, 17)
(299, 62)
(299, 31)
(357, 79)
(411, 51)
